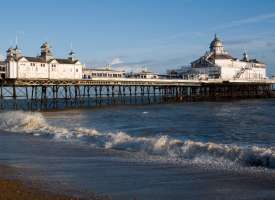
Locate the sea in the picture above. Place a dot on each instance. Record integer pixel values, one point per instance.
(192, 150)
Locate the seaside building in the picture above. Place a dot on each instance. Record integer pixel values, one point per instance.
(44, 66)
(102, 73)
(144, 74)
(219, 64)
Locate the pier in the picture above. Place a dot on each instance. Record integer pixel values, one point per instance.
(48, 94)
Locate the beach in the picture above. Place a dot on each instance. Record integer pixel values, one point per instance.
(196, 150)
(14, 188)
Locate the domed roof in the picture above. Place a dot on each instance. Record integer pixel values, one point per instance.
(216, 43)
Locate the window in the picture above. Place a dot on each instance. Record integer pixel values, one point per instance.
(76, 70)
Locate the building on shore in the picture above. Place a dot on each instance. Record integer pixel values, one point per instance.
(219, 64)
(107, 72)
(44, 66)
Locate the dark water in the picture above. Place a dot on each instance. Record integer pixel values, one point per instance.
(204, 150)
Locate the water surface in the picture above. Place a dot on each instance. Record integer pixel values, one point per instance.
(198, 150)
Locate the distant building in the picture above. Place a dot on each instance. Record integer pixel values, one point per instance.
(102, 73)
(219, 64)
(144, 74)
(45, 66)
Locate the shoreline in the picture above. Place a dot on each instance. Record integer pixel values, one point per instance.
(16, 188)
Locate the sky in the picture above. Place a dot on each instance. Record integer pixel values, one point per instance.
(134, 34)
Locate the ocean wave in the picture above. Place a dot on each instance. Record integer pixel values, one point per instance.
(163, 146)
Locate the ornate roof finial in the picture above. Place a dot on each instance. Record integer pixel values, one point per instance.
(71, 53)
(245, 56)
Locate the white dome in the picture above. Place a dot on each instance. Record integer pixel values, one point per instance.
(216, 43)
(216, 46)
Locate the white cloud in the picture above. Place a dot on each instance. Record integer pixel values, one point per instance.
(116, 61)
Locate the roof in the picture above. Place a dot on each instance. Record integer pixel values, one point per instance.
(66, 61)
(36, 59)
(105, 69)
(145, 72)
(255, 61)
(220, 56)
(59, 60)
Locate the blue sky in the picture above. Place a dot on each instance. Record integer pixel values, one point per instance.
(156, 34)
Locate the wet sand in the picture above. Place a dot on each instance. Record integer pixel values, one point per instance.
(15, 189)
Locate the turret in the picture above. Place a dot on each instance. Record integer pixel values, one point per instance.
(71, 56)
(46, 52)
(13, 53)
(17, 52)
(10, 54)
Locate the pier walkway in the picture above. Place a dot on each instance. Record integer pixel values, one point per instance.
(47, 94)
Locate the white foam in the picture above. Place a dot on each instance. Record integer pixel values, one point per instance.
(22, 121)
(160, 145)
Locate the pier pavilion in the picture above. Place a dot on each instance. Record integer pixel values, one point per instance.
(217, 63)
(44, 66)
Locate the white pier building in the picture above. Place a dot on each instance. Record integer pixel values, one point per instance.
(144, 74)
(102, 73)
(45, 66)
(219, 64)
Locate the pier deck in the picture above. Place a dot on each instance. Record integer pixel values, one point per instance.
(127, 81)
(46, 94)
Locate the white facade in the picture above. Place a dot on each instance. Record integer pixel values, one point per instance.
(218, 64)
(144, 74)
(102, 73)
(44, 66)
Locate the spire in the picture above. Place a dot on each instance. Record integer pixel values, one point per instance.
(71, 53)
(17, 52)
(16, 41)
(245, 56)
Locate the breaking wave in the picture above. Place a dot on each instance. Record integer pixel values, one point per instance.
(162, 146)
